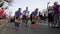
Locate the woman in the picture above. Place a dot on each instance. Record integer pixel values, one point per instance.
(33, 18)
(17, 18)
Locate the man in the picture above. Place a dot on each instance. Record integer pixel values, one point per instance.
(17, 18)
(33, 18)
(56, 14)
(26, 15)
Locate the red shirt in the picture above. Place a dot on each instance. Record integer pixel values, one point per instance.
(1, 12)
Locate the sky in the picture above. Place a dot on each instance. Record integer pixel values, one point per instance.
(32, 4)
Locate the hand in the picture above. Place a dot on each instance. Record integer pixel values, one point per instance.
(16, 20)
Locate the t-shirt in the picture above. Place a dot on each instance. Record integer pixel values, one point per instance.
(26, 12)
(1, 12)
(17, 13)
(56, 9)
(34, 13)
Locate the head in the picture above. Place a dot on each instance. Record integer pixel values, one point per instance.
(55, 3)
(36, 9)
(19, 9)
(50, 7)
(26, 8)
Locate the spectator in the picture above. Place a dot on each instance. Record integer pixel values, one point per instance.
(1, 13)
(56, 14)
(50, 16)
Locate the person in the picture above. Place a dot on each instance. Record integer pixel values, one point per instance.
(50, 16)
(44, 17)
(26, 15)
(1, 15)
(7, 13)
(17, 18)
(33, 18)
(56, 14)
(40, 17)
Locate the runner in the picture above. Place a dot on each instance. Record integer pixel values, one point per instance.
(17, 18)
(26, 15)
(33, 18)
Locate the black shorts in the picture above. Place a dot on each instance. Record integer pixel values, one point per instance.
(33, 22)
(16, 17)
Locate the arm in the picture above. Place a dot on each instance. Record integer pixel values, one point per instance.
(15, 16)
(59, 10)
(34, 18)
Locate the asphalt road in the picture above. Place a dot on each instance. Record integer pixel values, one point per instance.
(40, 29)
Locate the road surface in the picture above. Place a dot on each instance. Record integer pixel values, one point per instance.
(9, 28)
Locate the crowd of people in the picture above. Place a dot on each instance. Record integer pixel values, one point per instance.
(53, 16)
(3, 14)
(4, 10)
